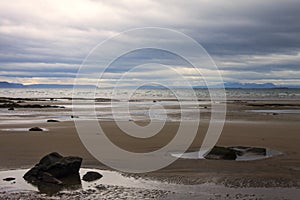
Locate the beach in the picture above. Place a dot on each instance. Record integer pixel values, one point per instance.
(248, 123)
(149, 99)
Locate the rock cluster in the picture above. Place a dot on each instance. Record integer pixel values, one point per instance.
(231, 153)
(54, 171)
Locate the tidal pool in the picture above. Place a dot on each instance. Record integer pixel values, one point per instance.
(242, 154)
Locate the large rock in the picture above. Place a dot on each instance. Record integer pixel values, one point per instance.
(52, 168)
(221, 153)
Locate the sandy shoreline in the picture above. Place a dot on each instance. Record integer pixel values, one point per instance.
(21, 149)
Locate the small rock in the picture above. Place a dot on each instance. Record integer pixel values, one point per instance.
(91, 176)
(35, 129)
(101, 187)
(9, 179)
(52, 120)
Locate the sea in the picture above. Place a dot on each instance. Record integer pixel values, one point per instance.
(130, 104)
(236, 94)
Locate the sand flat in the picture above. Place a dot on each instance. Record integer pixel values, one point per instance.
(22, 149)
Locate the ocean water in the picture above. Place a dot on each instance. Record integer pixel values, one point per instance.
(145, 104)
(267, 94)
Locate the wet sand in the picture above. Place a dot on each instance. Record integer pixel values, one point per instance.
(22, 149)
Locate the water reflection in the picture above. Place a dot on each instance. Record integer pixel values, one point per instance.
(69, 183)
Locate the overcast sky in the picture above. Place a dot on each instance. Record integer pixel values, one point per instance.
(255, 41)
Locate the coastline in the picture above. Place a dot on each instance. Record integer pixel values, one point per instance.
(22, 149)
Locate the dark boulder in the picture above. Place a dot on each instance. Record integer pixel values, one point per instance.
(221, 153)
(35, 129)
(91, 176)
(11, 108)
(52, 168)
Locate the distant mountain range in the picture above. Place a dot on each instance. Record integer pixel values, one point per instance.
(236, 85)
(226, 85)
(256, 85)
(19, 85)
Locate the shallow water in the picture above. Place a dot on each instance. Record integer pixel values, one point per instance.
(142, 110)
(22, 129)
(109, 178)
(269, 153)
(114, 180)
(247, 157)
(143, 93)
(295, 111)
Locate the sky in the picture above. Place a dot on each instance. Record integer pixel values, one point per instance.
(250, 41)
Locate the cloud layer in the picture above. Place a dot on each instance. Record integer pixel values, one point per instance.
(250, 41)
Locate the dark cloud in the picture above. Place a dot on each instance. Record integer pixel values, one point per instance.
(249, 40)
